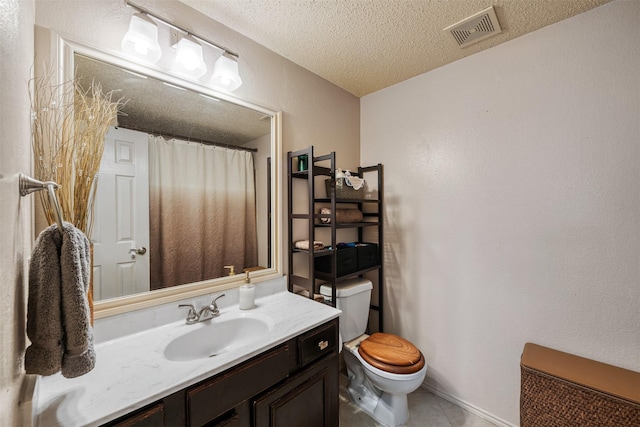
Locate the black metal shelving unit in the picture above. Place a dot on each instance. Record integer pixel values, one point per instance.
(373, 210)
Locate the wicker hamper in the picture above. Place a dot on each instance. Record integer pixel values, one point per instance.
(562, 390)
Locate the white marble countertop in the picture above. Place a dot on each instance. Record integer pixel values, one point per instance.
(132, 371)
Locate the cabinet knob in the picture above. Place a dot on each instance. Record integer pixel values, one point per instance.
(323, 344)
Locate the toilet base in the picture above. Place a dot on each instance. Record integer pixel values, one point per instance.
(386, 408)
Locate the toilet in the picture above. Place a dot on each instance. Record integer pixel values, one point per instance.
(382, 368)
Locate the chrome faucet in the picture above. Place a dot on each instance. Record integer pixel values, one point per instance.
(209, 311)
(192, 315)
(205, 313)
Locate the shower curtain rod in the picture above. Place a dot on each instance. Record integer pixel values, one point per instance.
(189, 139)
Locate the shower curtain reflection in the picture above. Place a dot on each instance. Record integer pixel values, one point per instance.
(202, 206)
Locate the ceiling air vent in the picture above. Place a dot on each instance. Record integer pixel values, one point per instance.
(475, 28)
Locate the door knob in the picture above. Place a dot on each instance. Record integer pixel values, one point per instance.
(139, 251)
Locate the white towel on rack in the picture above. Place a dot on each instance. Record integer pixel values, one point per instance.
(304, 245)
(58, 318)
(354, 181)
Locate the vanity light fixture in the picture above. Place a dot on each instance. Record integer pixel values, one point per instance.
(225, 73)
(189, 59)
(141, 40)
(189, 54)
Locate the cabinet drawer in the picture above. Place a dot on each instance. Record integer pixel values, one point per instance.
(219, 395)
(150, 417)
(317, 342)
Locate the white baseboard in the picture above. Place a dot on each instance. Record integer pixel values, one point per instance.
(469, 407)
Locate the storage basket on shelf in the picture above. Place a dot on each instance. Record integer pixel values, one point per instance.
(361, 256)
(347, 262)
(367, 255)
(343, 190)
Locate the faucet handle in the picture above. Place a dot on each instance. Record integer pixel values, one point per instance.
(214, 303)
(192, 315)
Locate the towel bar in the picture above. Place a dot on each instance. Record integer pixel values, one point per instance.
(28, 185)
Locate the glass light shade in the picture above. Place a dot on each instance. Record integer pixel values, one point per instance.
(141, 40)
(225, 74)
(189, 58)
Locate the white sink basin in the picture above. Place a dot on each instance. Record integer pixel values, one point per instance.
(217, 336)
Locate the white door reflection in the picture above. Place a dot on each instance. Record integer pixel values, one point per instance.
(123, 191)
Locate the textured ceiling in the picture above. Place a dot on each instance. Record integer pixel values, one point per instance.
(367, 45)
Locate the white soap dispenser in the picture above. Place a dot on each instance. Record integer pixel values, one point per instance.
(247, 294)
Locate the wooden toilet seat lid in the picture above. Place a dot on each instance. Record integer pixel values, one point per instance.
(391, 353)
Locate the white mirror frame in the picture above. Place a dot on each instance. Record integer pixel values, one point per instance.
(59, 51)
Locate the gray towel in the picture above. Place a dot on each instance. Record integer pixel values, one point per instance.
(58, 320)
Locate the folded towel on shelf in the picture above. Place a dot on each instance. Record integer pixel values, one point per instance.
(304, 245)
(343, 216)
(58, 317)
(305, 293)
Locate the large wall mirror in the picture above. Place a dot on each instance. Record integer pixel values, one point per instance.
(188, 188)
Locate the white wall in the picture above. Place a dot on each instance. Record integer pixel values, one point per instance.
(16, 53)
(513, 204)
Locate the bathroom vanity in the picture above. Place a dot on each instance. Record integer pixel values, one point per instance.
(285, 376)
(293, 384)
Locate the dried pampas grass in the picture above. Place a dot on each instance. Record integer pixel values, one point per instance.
(69, 126)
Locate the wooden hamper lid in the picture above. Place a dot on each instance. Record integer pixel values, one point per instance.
(391, 353)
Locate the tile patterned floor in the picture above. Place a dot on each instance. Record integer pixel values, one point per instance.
(425, 410)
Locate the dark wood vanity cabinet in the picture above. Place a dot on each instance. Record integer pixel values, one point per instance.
(292, 384)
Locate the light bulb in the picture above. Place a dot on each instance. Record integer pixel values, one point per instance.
(141, 40)
(189, 57)
(225, 73)
(189, 60)
(141, 48)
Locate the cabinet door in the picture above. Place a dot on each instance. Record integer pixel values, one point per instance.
(309, 399)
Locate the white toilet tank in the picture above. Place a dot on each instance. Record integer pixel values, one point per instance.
(353, 297)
